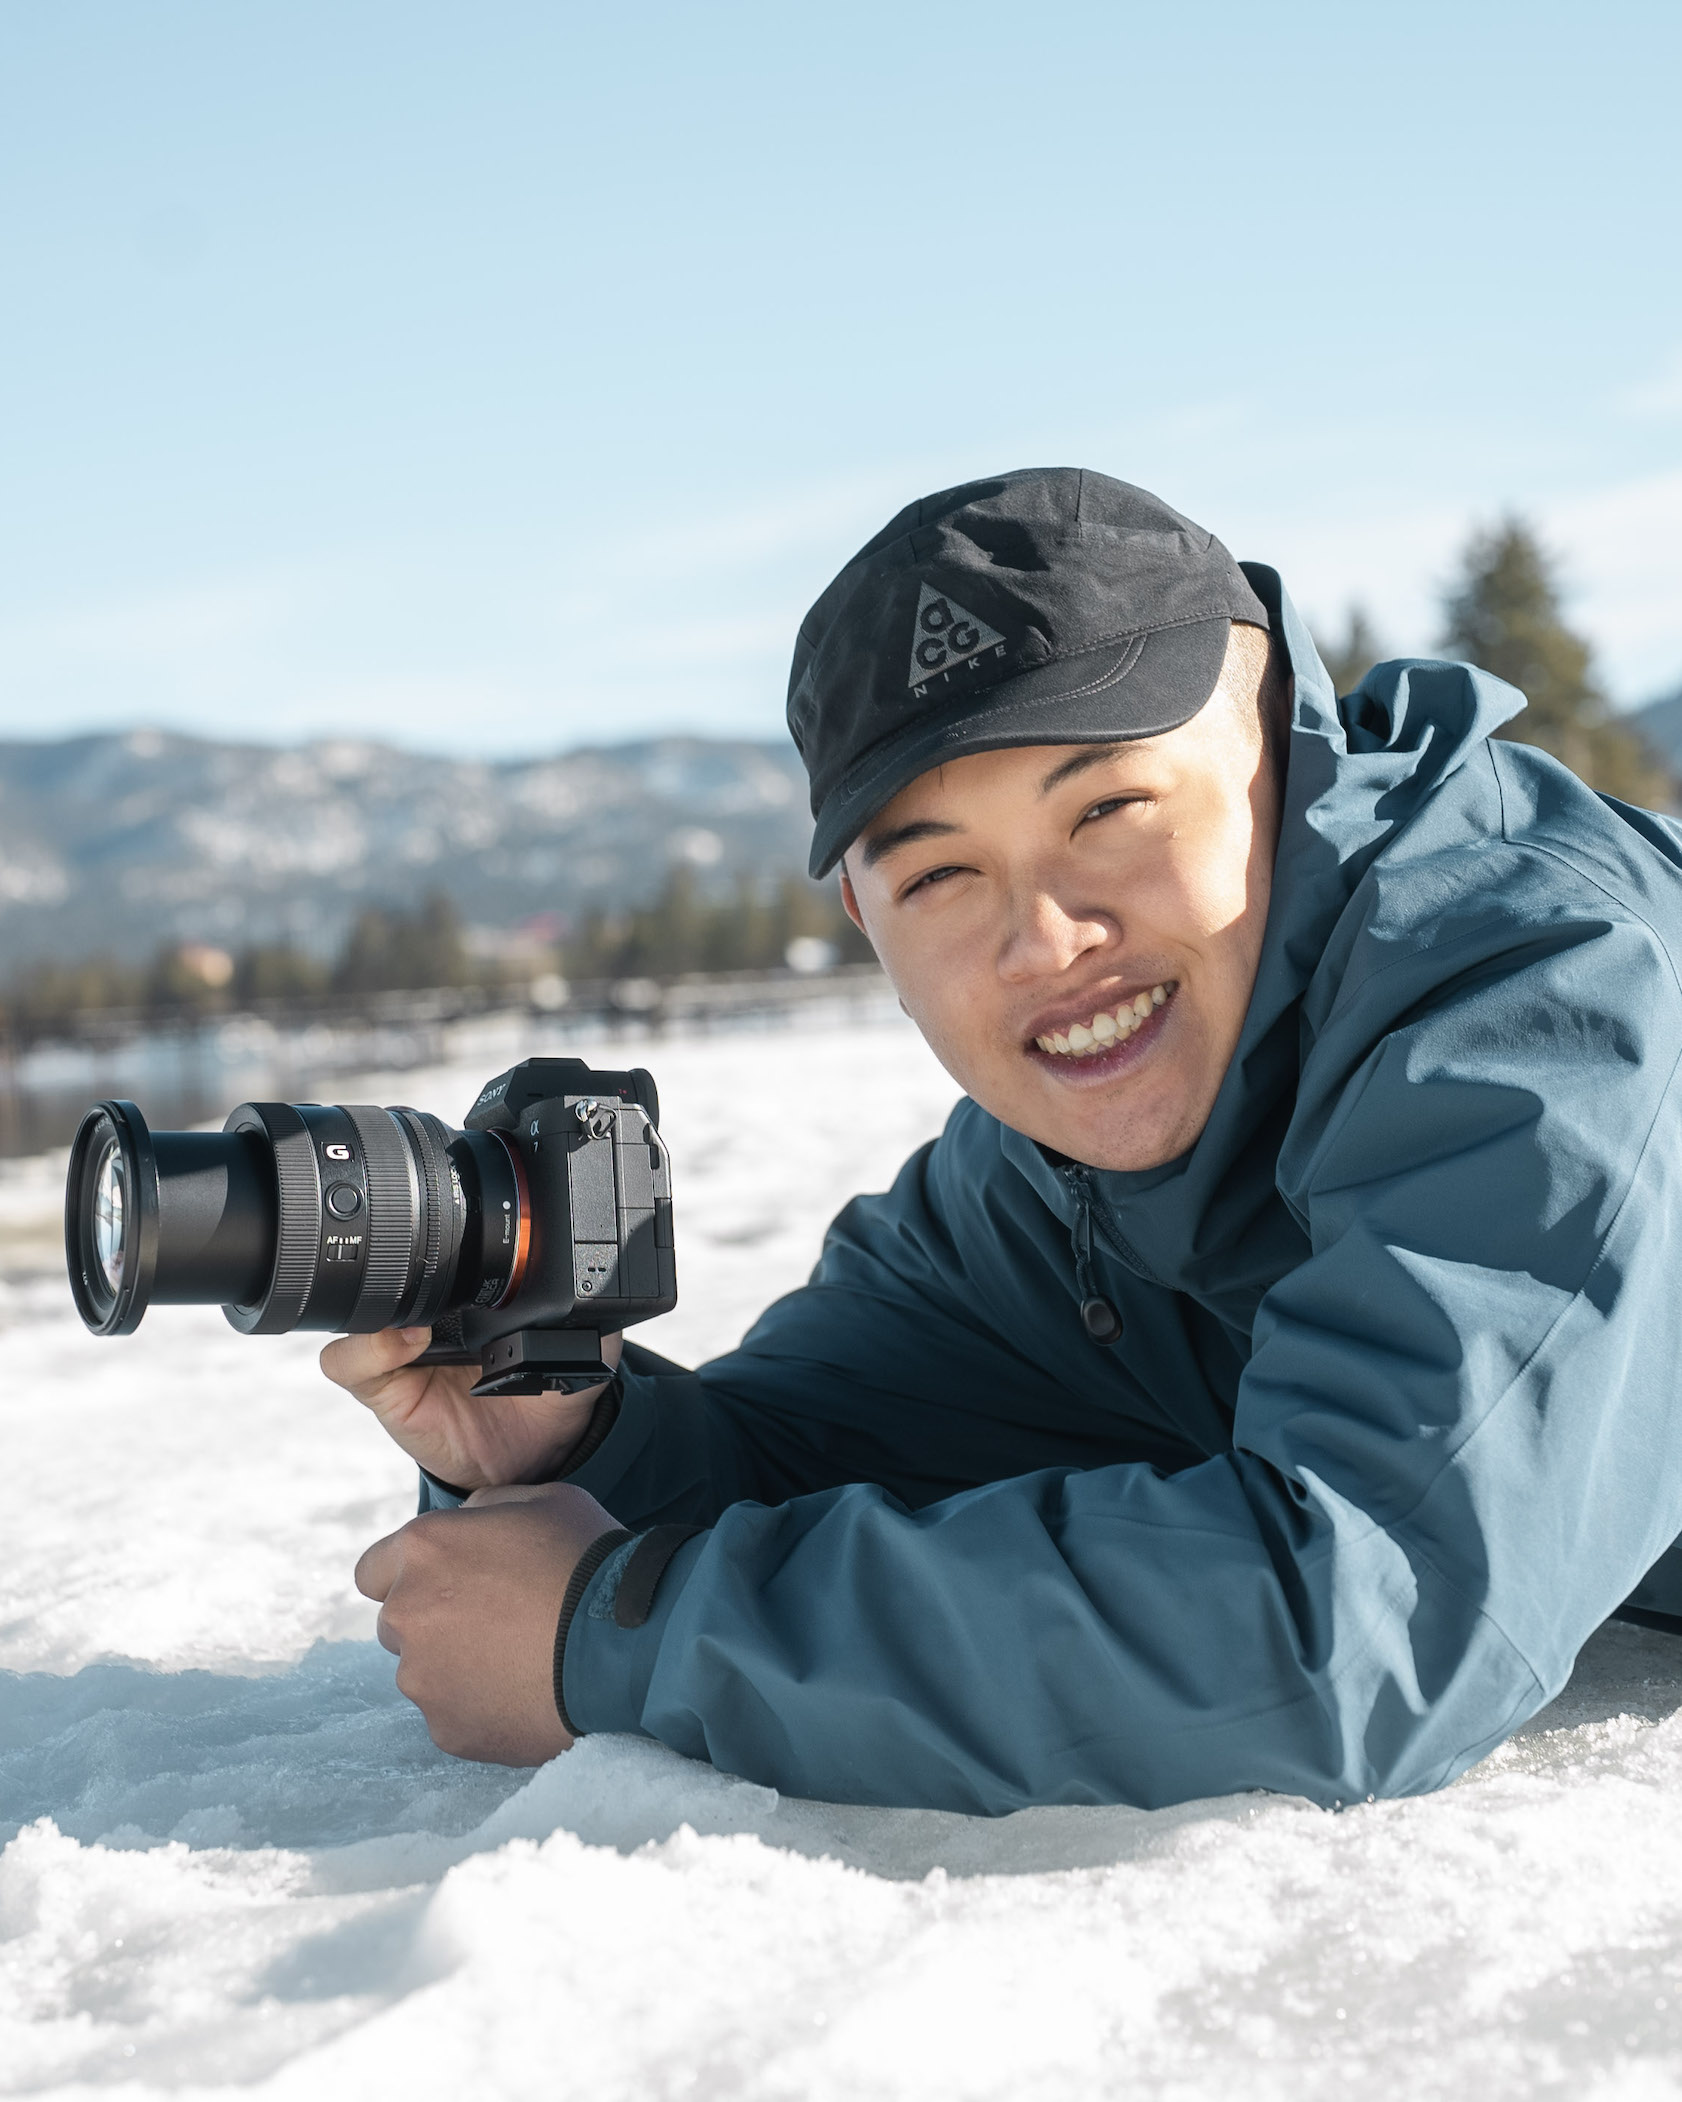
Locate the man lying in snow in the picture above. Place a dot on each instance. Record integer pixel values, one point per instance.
(1274, 1371)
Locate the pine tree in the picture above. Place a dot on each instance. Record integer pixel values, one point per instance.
(1504, 616)
(399, 951)
(278, 971)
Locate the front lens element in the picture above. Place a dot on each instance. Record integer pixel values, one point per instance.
(110, 1211)
(111, 1218)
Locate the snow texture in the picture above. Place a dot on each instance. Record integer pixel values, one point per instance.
(235, 1864)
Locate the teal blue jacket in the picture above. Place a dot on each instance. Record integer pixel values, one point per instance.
(1395, 1418)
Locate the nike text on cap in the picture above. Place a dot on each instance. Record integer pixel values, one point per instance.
(1050, 606)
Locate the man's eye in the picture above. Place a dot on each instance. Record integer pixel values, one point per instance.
(929, 877)
(1109, 804)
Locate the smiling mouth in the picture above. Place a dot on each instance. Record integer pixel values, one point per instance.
(1109, 1028)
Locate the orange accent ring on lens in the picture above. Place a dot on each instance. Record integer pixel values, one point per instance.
(522, 1229)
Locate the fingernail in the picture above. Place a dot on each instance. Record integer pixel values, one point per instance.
(416, 1335)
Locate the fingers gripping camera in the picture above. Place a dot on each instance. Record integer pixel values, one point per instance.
(522, 1239)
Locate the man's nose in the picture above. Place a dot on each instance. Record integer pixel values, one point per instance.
(1047, 934)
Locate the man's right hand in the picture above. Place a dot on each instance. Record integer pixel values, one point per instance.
(430, 1413)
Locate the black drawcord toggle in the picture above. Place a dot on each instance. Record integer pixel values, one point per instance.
(1098, 1316)
(1102, 1322)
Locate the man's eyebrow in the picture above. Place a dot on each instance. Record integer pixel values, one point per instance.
(1088, 755)
(877, 844)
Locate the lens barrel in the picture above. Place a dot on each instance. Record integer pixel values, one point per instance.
(181, 1217)
(341, 1217)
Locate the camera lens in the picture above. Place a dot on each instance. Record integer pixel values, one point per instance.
(295, 1215)
(108, 1208)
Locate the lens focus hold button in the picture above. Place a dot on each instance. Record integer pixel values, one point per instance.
(344, 1200)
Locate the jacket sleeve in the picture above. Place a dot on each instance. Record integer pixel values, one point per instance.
(1457, 1446)
(914, 1360)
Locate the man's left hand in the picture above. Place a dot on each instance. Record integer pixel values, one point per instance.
(470, 1601)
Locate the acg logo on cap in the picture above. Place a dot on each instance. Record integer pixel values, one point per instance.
(946, 636)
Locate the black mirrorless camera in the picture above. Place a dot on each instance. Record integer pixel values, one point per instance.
(521, 1240)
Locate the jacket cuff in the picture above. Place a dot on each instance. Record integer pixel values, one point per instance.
(587, 1568)
(604, 1665)
(621, 1424)
(603, 1417)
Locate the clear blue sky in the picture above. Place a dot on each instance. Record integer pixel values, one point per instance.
(499, 376)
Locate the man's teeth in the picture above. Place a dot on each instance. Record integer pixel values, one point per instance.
(1113, 1026)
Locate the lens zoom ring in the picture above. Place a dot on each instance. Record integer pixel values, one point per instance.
(391, 1215)
(298, 1233)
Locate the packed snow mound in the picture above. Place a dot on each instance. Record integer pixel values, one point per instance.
(234, 1862)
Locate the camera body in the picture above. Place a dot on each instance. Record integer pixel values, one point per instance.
(522, 1239)
(598, 1192)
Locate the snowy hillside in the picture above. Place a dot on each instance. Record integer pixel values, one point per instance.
(108, 843)
(237, 1866)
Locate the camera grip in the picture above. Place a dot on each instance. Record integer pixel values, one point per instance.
(446, 1347)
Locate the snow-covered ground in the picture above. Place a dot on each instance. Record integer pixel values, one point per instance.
(236, 1864)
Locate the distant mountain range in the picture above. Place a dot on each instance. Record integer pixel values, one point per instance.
(117, 843)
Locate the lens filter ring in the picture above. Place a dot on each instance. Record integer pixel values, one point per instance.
(298, 1240)
(111, 1218)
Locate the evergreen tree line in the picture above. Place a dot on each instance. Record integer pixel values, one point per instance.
(383, 951)
(686, 930)
(392, 951)
(1504, 615)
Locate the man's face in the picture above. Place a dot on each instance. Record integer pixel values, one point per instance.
(1076, 929)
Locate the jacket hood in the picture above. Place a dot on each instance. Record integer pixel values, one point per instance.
(1212, 1222)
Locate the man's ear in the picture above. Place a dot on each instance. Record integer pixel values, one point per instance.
(849, 900)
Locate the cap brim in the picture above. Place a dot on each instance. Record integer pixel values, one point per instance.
(1145, 686)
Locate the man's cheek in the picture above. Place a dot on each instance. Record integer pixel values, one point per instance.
(952, 1036)
(950, 1003)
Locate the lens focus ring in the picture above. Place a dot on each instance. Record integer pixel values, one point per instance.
(393, 1216)
(429, 1156)
(441, 1229)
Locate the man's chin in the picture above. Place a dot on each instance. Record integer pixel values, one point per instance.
(1119, 1156)
(1099, 1133)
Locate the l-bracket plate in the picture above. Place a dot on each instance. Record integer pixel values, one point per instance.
(540, 1360)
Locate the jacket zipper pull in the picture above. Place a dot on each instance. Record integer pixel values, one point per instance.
(1098, 1316)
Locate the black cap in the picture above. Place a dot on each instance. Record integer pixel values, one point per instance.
(1049, 606)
